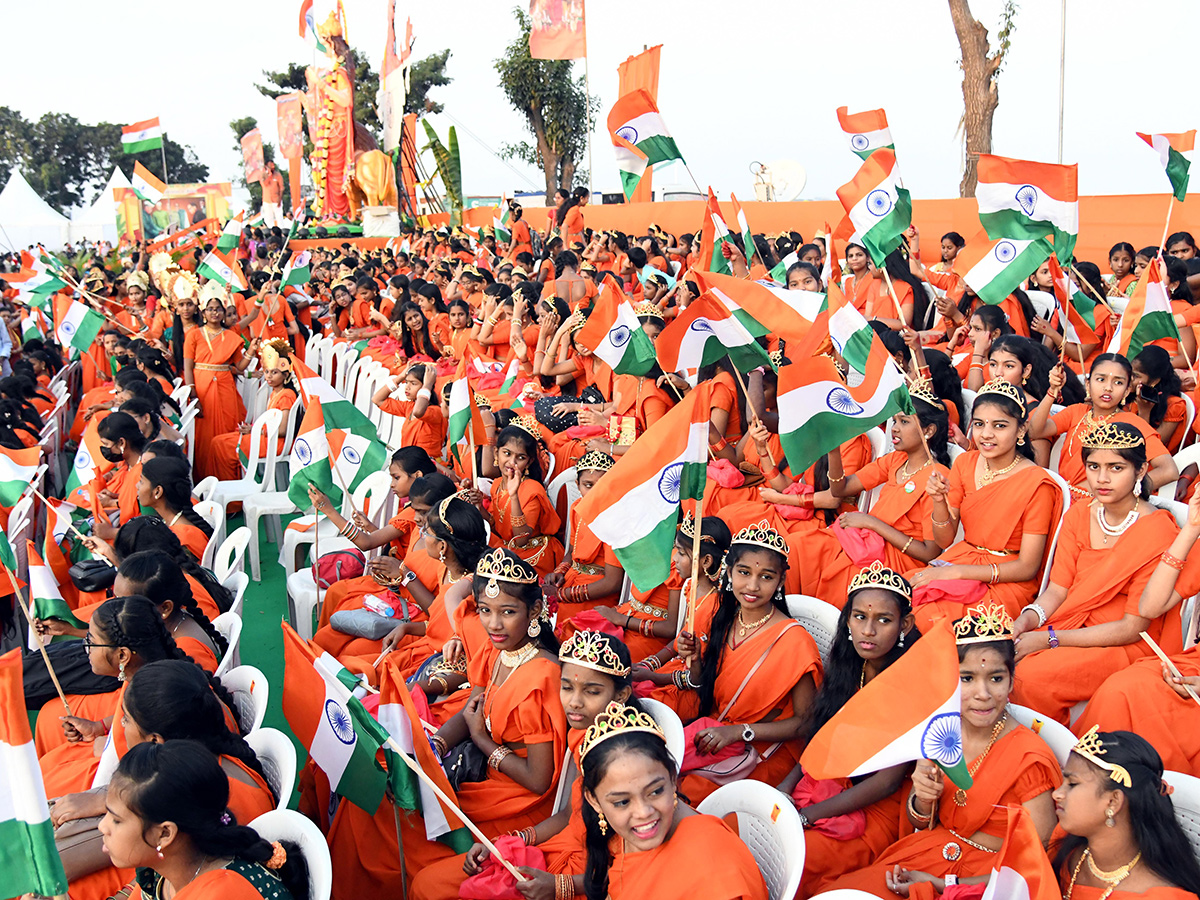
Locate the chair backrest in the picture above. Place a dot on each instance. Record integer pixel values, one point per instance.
(289, 825)
(375, 493)
(559, 484)
(230, 626)
(1057, 736)
(277, 754)
(264, 447)
(236, 583)
(231, 555)
(819, 619)
(251, 692)
(210, 512)
(844, 894)
(348, 357)
(1186, 800)
(293, 415)
(1056, 450)
(1183, 458)
(1174, 507)
(670, 723)
(1043, 303)
(767, 822)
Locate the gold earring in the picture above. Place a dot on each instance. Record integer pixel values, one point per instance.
(1109, 821)
(1021, 440)
(535, 627)
(603, 823)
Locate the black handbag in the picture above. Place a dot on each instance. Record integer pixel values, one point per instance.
(93, 575)
(465, 762)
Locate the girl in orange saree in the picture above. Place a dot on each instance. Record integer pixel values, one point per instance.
(1007, 507)
(1119, 837)
(958, 832)
(212, 356)
(1107, 550)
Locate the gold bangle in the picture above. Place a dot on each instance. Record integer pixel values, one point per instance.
(1173, 561)
(833, 480)
(937, 524)
(904, 549)
(912, 810)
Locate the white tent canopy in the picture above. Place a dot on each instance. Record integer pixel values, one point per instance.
(25, 218)
(98, 222)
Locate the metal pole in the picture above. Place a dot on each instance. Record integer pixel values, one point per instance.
(162, 149)
(1062, 75)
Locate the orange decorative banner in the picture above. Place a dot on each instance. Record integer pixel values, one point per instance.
(252, 156)
(291, 143)
(557, 29)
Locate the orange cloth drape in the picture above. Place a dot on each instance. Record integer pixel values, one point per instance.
(220, 399)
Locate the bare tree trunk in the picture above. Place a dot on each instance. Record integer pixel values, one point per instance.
(980, 92)
(568, 173)
(547, 153)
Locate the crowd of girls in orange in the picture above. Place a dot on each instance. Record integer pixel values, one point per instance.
(581, 719)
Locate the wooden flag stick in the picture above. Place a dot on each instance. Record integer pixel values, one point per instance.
(1166, 661)
(1083, 282)
(17, 601)
(892, 291)
(1166, 226)
(757, 415)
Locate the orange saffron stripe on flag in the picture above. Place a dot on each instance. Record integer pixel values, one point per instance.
(140, 126)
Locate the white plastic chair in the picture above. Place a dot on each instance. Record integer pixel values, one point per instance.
(1188, 418)
(1186, 800)
(768, 824)
(1056, 735)
(564, 481)
(820, 620)
(1174, 507)
(288, 825)
(843, 894)
(236, 583)
(231, 555)
(374, 494)
(1183, 458)
(250, 691)
(230, 626)
(879, 447)
(1056, 450)
(263, 446)
(277, 755)
(670, 723)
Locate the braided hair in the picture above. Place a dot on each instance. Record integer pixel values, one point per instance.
(175, 701)
(182, 782)
(174, 476)
(12, 420)
(156, 575)
(152, 533)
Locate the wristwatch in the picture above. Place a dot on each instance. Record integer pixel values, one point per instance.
(747, 733)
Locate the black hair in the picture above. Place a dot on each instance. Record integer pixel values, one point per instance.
(803, 267)
(563, 261)
(432, 488)
(1023, 349)
(1006, 650)
(1135, 456)
(939, 442)
(528, 593)
(173, 699)
(1113, 358)
(406, 337)
(174, 476)
(414, 461)
(897, 267)
(182, 782)
(955, 238)
(529, 444)
(1011, 408)
(152, 533)
(150, 389)
(715, 538)
(617, 646)
(892, 342)
(168, 449)
(844, 670)
(637, 257)
(1180, 237)
(1156, 363)
(12, 420)
(1122, 246)
(993, 318)
(459, 301)
(1177, 271)
(463, 529)
(140, 406)
(595, 767)
(159, 578)
(120, 426)
(709, 372)
(723, 620)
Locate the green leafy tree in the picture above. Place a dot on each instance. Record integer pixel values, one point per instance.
(555, 109)
(425, 75)
(449, 167)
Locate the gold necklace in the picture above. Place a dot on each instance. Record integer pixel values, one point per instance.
(902, 474)
(960, 796)
(862, 679)
(989, 474)
(514, 659)
(1112, 884)
(745, 627)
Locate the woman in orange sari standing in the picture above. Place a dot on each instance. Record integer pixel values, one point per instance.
(212, 357)
(958, 832)
(229, 449)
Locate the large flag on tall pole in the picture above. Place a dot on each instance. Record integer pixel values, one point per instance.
(867, 131)
(638, 509)
(145, 135)
(1148, 316)
(393, 81)
(1027, 200)
(28, 857)
(557, 30)
(1175, 151)
(878, 208)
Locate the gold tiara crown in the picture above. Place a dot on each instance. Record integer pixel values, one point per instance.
(648, 309)
(503, 565)
(1113, 436)
(1002, 387)
(688, 526)
(616, 719)
(276, 353)
(1091, 748)
(445, 504)
(922, 389)
(592, 650)
(984, 623)
(528, 424)
(482, 402)
(578, 321)
(877, 575)
(595, 461)
(761, 534)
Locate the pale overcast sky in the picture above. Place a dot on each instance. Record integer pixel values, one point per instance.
(739, 81)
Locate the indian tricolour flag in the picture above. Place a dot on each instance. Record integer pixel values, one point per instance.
(17, 469)
(867, 131)
(819, 411)
(338, 411)
(32, 325)
(1148, 315)
(713, 234)
(787, 314)
(77, 324)
(636, 119)
(638, 510)
(702, 334)
(1022, 870)
(631, 164)
(309, 461)
(354, 456)
(298, 269)
(462, 413)
(146, 184)
(921, 693)
(398, 716)
(878, 209)
(46, 600)
(1176, 152)
(340, 736)
(500, 221)
(139, 136)
(1078, 310)
(89, 463)
(231, 234)
(744, 229)
(778, 274)
(993, 269)
(43, 282)
(614, 334)
(222, 269)
(1026, 200)
(851, 334)
(28, 857)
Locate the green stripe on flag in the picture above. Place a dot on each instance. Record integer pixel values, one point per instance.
(1177, 170)
(827, 429)
(7, 558)
(959, 774)
(884, 236)
(138, 146)
(649, 558)
(1152, 326)
(29, 857)
(659, 148)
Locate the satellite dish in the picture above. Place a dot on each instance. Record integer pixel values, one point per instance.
(787, 177)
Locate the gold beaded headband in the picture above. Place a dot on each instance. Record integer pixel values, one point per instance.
(877, 575)
(503, 565)
(592, 650)
(984, 623)
(617, 719)
(595, 461)
(1113, 436)
(1091, 748)
(1004, 389)
(444, 505)
(648, 310)
(761, 534)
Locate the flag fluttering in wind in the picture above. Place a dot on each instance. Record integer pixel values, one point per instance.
(328, 453)
(638, 510)
(146, 135)
(500, 220)
(1027, 200)
(298, 270)
(17, 470)
(45, 597)
(631, 164)
(148, 186)
(1078, 311)
(1175, 151)
(993, 269)
(76, 324)
(867, 131)
(744, 229)
(702, 334)
(1148, 316)
(614, 334)
(231, 234)
(462, 413)
(787, 314)
(222, 269)
(635, 119)
(43, 280)
(713, 235)
(878, 209)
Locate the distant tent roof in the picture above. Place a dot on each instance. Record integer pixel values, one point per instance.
(98, 222)
(28, 219)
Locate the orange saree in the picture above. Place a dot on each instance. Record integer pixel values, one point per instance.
(542, 550)
(216, 387)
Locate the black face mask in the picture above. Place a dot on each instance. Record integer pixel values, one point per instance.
(112, 455)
